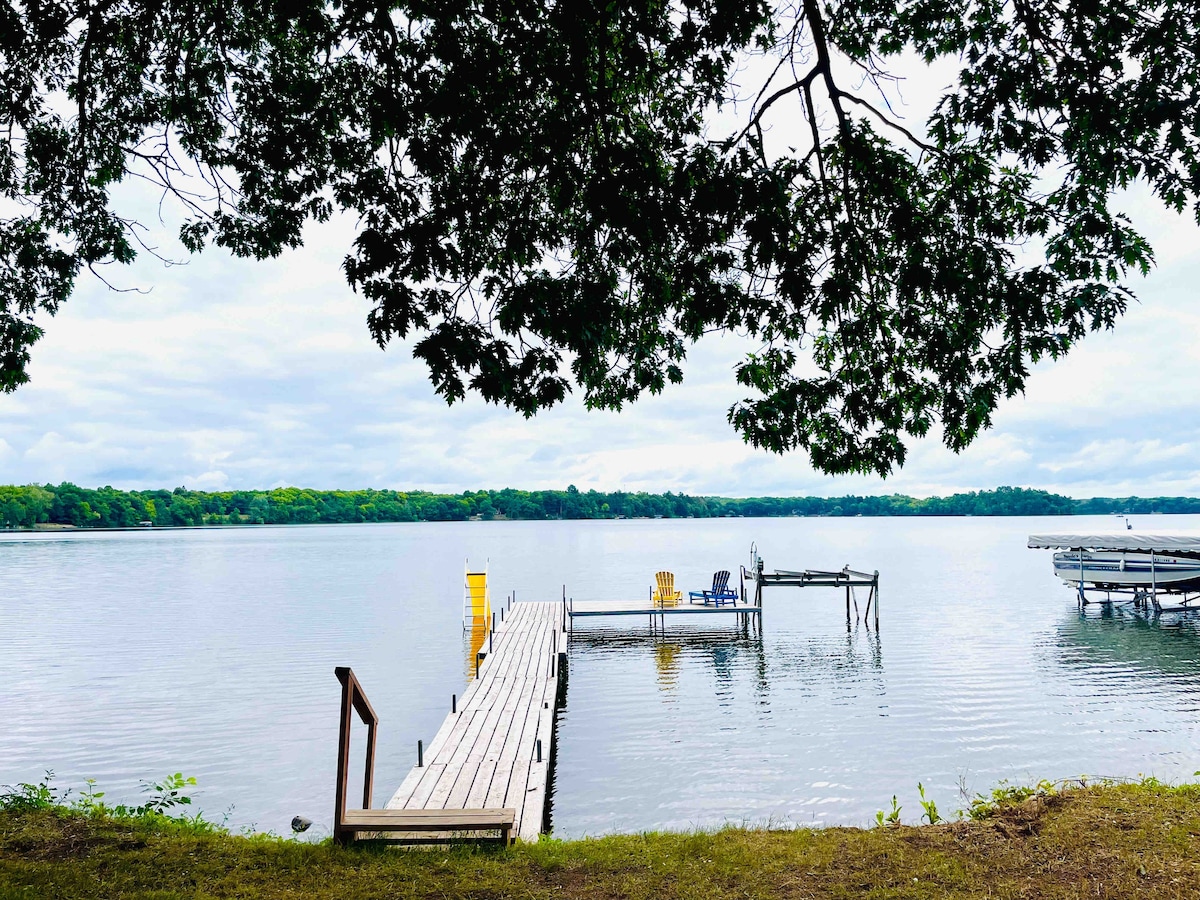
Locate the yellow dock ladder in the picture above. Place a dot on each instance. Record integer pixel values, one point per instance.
(477, 599)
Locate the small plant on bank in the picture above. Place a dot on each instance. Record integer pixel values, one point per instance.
(167, 794)
(166, 797)
(890, 818)
(29, 797)
(931, 811)
(1007, 795)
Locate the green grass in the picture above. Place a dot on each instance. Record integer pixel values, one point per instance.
(1139, 840)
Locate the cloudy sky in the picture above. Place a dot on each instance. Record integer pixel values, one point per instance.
(236, 374)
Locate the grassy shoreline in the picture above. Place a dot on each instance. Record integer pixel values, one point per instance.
(1132, 840)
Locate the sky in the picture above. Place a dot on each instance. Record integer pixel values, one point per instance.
(226, 373)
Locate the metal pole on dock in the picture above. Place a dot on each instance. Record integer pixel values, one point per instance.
(420, 755)
(454, 703)
(876, 591)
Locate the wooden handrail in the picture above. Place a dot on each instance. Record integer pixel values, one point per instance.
(353, 699)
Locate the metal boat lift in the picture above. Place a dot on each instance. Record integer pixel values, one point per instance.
(846, 578)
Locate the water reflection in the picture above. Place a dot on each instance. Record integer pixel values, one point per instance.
(857, 652)
(720, 652)
(473, 641)
(666, 660)
(1125, 647)
(989, 670)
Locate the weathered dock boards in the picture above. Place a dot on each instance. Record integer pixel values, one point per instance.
(486, 754)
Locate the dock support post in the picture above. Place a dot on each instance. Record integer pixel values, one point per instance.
(539, 749)
(454, 704)
(420, 755)
(875, 591)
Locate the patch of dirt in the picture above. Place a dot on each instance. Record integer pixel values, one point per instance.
(1025, 818)
(65, 838)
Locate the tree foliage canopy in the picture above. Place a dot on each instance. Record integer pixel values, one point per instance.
(557, 196)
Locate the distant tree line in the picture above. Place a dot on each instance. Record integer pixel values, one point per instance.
(67, 504)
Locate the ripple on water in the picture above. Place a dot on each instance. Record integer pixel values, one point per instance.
(127, 656)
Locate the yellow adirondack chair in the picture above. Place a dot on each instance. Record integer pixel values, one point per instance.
(665, 594)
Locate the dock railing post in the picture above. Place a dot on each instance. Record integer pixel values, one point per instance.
(875, 589)
(353, 700)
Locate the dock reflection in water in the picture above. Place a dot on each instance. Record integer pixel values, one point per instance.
(722, 653)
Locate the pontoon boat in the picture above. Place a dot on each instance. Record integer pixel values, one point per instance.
(1144, 565)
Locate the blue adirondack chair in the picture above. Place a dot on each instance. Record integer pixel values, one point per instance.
(719, 594)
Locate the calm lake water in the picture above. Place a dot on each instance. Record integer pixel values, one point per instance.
(128, 656)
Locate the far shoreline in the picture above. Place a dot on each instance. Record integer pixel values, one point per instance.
(57, 528)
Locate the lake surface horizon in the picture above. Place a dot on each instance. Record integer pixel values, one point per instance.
(125, 656)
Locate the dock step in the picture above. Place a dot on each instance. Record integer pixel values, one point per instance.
(422, 825)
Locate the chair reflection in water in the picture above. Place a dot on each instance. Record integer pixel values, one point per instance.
(666, 660)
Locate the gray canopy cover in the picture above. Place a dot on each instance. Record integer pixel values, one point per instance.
(1118, 540)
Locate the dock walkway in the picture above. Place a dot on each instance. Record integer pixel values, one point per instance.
(494, 751)
(582, 609)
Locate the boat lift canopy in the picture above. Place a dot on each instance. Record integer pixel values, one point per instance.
(1118, 540)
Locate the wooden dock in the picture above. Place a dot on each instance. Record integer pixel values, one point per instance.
(586, 609)
(494, 750)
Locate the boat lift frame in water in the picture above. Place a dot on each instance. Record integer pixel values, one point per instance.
(843, 578)
(1184, 594)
